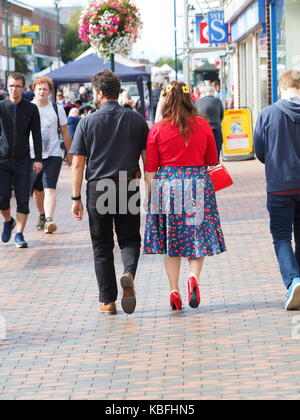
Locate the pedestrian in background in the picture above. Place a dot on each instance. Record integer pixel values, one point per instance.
(28, 93)
(217, 86)
(53, 123)
(18, 117)
(179, 148)
(73, 120)
(277, 145)
(110, 142)
(212, 107)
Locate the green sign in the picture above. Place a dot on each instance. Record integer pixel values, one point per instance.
(32, 31)
(43, 62)
(22, 50)
(32, 35)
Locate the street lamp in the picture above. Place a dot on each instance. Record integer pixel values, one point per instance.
(175, 40)
(5, 6)
(56, 4)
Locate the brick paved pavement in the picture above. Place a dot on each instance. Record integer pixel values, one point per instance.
(238, 344)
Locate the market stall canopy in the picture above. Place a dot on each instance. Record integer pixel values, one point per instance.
(80, 71)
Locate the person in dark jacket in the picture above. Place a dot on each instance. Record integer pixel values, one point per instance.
(212, 107)
(18, 118)
(277, 145)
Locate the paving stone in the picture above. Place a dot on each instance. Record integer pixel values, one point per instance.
(237, 345)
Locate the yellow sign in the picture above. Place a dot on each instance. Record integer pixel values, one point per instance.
(15, 42)
(33, 28)
(237, 132)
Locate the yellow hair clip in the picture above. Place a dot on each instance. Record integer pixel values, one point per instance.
(169, 88)
(186, 89)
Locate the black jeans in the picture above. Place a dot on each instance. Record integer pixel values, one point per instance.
(15, 173)
(127, 228)
(219, 140)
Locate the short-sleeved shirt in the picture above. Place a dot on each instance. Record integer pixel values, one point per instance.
(49, 129)
(112, 139)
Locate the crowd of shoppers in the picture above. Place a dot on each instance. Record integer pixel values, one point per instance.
(106, 143)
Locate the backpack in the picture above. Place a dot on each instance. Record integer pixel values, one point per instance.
(61, 140)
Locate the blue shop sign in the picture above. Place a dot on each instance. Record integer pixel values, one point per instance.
(217, 28)
(248, 20)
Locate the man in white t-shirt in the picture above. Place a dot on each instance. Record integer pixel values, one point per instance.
(53, 121)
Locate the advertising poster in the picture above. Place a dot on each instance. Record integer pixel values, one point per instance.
(237, 133)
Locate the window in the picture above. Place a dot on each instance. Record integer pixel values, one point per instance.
(27, 21)
(16, 24)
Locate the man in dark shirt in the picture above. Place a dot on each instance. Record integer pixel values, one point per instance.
(18, 118)
(212, 107)
(110, 141)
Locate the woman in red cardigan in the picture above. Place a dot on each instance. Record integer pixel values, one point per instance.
(182, 219)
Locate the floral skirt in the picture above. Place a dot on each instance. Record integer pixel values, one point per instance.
(183, 219)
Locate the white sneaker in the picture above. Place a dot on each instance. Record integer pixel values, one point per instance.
(49, 226)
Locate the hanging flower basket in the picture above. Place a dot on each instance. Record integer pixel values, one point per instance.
(110, 26)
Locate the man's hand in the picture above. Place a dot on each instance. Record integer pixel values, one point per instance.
(37, 167)
(77, 210)
(69, 159)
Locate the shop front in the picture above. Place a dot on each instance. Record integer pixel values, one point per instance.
(248, 33)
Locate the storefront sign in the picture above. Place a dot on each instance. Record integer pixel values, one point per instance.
(32, 31)
(203, 33)
(233, 8)
(201, 29)
(217, 28)
(252, 17)
(21, 45)
(237, 132)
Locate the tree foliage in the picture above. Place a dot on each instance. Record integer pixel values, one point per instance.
(21, 64)
(71, 46)
(170, 61)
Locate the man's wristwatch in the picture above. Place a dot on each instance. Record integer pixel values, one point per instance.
(76, 198)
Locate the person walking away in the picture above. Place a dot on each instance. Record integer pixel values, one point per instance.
(53, 121)
(212, 107)
(18, 118)
(73, 120)
(277, 145)
(110, 142)
(179, 149)
(156, 92)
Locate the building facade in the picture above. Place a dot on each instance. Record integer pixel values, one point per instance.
(15, 14)
(264, 38)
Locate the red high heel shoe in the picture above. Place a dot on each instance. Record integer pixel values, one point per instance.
(175, 301)
(193, 292)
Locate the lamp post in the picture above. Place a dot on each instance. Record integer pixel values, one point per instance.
(175, 40)
(56, 3)
(186, 43)
(5, 6)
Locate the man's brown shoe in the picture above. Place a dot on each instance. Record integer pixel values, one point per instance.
(108, 308)
(128, 301)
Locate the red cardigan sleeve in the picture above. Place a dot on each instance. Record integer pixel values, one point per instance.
(152, 161)
(211, 154)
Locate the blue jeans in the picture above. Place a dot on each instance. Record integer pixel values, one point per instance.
(284, 213)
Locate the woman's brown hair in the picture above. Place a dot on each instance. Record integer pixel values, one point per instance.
(179, 108)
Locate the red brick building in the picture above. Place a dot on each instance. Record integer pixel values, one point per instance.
(45, 49)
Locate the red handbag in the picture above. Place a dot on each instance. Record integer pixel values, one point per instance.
(220, 177)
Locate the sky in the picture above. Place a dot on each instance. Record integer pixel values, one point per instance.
(157, 37)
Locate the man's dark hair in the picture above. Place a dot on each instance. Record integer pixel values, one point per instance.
(108, 82)
(17, 76)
